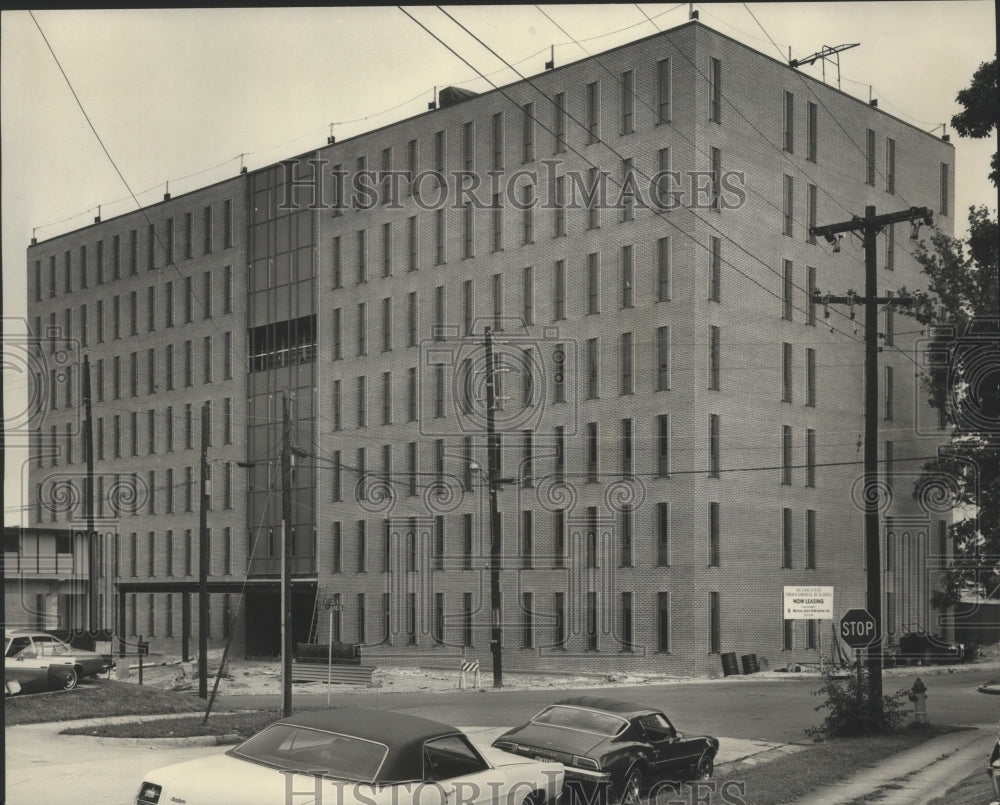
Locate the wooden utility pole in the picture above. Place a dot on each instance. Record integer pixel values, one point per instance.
(492, 480)
(286, 559)
(204, 556)
(869, 227)
(93, 559)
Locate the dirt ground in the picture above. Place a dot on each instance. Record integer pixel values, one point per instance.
(261, 677)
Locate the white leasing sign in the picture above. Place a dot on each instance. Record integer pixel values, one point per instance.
(808, 602)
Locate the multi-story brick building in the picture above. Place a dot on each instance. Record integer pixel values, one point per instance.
(679, 424)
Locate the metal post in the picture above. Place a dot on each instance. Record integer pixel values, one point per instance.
(203, 560)
(492, 473)
(286, 559)
(329, 657)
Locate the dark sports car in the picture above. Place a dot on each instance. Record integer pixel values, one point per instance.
(622, 747)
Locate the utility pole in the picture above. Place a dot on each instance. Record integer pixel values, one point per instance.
(93, 560)
(204, 554)
(869, 227)
(492, 473)
(286, 559)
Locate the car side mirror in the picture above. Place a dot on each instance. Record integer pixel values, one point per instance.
(679, 734)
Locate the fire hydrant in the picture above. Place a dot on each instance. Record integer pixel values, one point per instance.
(918, 695)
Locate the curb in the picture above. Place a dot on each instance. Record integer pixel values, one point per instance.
(761, 757)
(163, 743)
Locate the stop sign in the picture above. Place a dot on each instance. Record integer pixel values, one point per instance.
(857, 628)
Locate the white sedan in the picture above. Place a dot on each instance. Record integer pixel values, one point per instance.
(356, 756)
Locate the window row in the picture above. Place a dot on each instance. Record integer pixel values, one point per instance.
(134, 313)
(165, 491)
(161, 610)
(136, 433)
(151, 371)
(160, 248)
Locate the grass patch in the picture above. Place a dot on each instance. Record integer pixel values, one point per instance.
(98, 698)
(242, 724)
(973, 790)
(796, 776)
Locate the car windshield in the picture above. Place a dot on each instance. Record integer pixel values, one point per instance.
(580, 719)
(310, 750)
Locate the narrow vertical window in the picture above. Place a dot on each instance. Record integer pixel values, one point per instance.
(810, 539)
(714, 623)
(811, 196)
(890, 247)
(559, 208)
(593, 283)
(468, 231)
(663, 270)
(714, 438)
(714, 358)
(628, 101)
(528, 132)
(786, 289)
(387, 249)
(528, 296)
(387, 324)
(786, 455)
(870, 157)
(713, 535)
(663, 358)
(627, 277)
(593, 112)
(944, 189)
(890, 165)
(663, 622)
(559, 123)
(788, 110)
(714, 269)
(716, 170)
(786, 538)
(468, 309)
(810, 377)
(627, 386)
(663, 445)
(715, 91)
(786, 372)
(496, 132)
(663, 91)
(528, 213)
(810, 457)
(411, 243)
(888, 393)
(811, 130)
(788, 204)
(559, 291)
(593, 452)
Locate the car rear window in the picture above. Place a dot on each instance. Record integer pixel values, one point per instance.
(310, 750)
(579, 719)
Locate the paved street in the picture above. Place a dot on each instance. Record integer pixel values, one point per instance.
(41, 768)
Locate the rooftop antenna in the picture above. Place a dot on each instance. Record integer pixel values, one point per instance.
(243, 168)
(551, 63)
(824, 54)
(330, 140)
(433, 104)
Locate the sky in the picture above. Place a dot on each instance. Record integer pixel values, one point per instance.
(177, 95)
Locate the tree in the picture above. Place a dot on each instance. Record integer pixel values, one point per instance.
(981, 115)
(963, 383)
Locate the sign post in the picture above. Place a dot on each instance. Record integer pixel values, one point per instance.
(859, 630)
(809, 602)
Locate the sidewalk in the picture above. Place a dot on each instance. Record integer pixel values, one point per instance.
(916, 776)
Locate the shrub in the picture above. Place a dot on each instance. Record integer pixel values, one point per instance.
(850, 709)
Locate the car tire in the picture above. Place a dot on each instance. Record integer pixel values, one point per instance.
(628, 794)
(71, 680)
(705, 768)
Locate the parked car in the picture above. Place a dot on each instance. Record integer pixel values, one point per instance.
(42, 645)
(27, 674)
(356, 755)
(622, 747)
